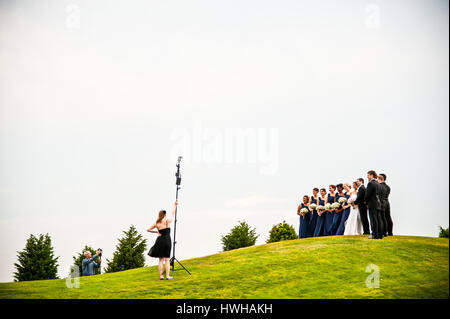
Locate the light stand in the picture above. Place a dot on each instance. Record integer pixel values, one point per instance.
(178, 182)
(100, 264)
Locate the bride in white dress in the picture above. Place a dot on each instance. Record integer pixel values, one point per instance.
(353, 224)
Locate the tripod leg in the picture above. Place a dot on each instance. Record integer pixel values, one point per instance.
(181, 266)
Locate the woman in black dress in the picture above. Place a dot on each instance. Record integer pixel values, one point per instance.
(162, 247)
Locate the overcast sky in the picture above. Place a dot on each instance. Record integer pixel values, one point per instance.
(264, 99)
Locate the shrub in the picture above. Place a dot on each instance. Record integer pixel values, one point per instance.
(239, 236)
(78, 259)
(129, 252)
(443, 233)
(37, 260)
(282, 231)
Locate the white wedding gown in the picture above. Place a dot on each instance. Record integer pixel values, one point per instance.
(353, 224)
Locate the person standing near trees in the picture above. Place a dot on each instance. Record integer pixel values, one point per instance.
(88, 263)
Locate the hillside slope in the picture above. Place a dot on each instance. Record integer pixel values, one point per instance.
(325, 267)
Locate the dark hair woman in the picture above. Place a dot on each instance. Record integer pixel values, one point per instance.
(337, 212)
(329, 213)
(320, 214)
(163, 245)
(313, 218)
(304, 217)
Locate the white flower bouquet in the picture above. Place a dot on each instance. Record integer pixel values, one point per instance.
(313, 206)
(320, 210)
(335, 206)
(304, 211)
(342, 200)
(327, 206)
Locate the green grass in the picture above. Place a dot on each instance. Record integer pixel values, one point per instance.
(326, 267)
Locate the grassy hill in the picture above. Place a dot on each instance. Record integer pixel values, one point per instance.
(326, 267)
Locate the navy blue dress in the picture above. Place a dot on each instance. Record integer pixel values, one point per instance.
(304, 221)
(320, 221)
(312, 219)
(336, 218)
(328, 218)
(345, 213)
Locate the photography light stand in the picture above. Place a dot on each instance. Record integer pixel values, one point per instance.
(178, 182)
(100, 264)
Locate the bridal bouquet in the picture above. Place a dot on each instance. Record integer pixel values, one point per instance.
(335, 205)
(327, 206)
(320, 210)
(304, 211)
(313, 206)
(342, 200)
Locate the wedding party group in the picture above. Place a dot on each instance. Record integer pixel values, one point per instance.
(344, 209)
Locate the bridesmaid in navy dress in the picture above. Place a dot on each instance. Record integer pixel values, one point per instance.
(329, 213)
(304, 220)
(346, 210)
(313, 218)
(338, 213)
(321, 218)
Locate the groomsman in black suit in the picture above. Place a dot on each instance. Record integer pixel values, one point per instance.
(372, 200)
(360, 201)
(386, 206)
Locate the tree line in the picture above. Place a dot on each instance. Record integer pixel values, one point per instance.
(37, 260)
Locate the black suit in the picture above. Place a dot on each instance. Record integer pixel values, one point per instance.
(386, 208)
(383, 196)
(373, 202)
(362, 209)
